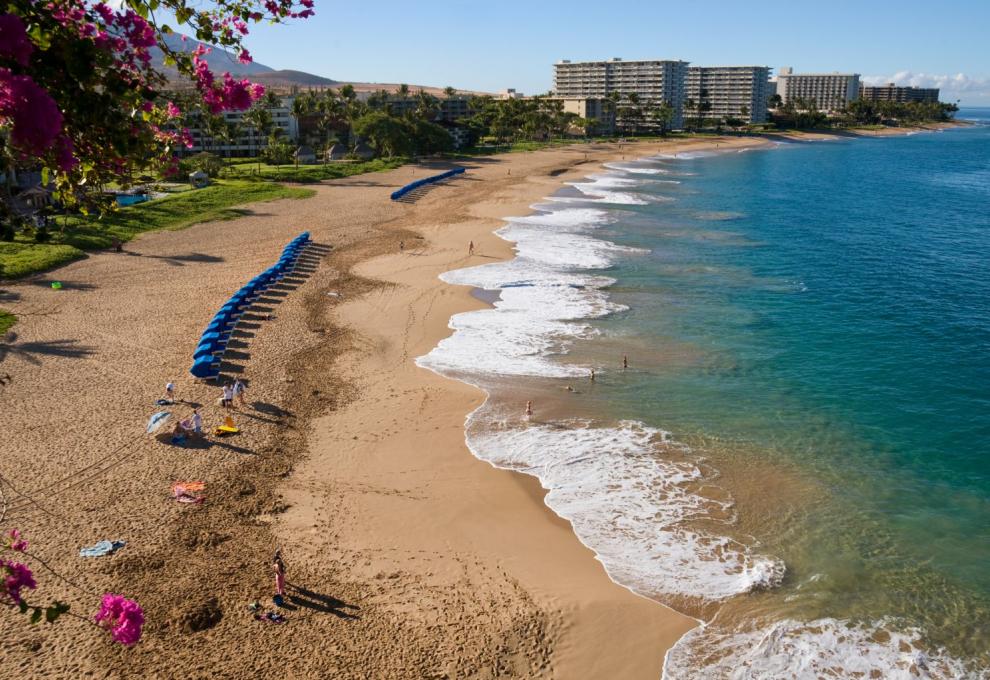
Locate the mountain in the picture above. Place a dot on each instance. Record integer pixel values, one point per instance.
(219, 60)
(284, 80)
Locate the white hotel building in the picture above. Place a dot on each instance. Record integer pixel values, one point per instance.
(829, 91)
(652, 81)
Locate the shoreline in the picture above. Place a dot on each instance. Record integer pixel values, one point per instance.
(418, 556)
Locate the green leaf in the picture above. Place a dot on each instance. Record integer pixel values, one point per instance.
(44, 177)
(23, 606)
(56, 610)
(168, 60)
(36, 615)
(183, 15)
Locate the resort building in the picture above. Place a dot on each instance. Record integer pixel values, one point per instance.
(248, 141)
(895, 93)
(730, 91)
(828, 91)
(653, 82)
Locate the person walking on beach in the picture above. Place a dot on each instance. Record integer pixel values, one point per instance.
(625, 362)
(402, 246)
(170, 392)
(238, 391)
(471, 248)
(278, 568)
(228, 396)
(529, 408)
(592, 375)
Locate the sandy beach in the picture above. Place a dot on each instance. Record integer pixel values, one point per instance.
(406, 556)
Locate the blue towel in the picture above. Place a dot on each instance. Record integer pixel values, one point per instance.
(102, 548)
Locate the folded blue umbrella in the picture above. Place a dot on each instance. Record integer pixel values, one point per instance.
(102, 548)
(204, 368)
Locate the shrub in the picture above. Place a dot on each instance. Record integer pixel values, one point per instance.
(206, 162)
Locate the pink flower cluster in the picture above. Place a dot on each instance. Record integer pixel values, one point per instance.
(122, 617)
(14, 43)
(33, 115)
(230, 95)
(17, 576)
(15, 542)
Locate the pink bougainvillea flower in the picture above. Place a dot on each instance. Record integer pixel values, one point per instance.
(15, 542)
(17, 576)
(122, 617)
(14, 42)
(172, 111)
(35, 117)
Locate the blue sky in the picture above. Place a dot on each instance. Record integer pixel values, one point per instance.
(493, 45)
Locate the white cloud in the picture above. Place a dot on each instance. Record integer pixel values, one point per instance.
(951, 86)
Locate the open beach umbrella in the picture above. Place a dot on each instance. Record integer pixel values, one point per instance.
(156, 421)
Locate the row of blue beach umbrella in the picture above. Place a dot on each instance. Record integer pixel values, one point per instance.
(399, 193)
(213, 342)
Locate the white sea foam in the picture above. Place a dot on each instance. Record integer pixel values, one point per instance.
(637, 169)
(687, 155)
(624, 500)
(807, 651)
(630, 506)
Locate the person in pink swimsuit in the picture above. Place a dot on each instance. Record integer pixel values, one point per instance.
(278, 566)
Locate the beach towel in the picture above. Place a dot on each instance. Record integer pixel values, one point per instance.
(164, 402)
(102, 548)
(270, 617)
(184, 492)
(188, 486)
(228, 427)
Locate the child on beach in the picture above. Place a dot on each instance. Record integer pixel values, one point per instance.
(170, 392)
(238, 391)
(228, 396)
(197, 423)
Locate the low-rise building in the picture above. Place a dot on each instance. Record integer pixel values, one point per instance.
(827, 91)
(740, 92)
(896, 93)
(600, 112)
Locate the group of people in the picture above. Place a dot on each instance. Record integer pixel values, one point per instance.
(233, 391)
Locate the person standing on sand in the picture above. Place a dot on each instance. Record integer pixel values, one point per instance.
(592, 375)
(278, 568)
(228, 396)
(471, 248)
(529, 408)
(238, 391)
(625, 362)
(197, 423)
(402, 246)
(170, 392)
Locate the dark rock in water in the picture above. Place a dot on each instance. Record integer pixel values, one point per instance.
(200, 617)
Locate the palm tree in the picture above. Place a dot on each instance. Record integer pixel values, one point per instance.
(260, 119)
(663, 115)
(449, 92)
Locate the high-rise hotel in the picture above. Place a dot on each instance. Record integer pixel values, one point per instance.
(828, 91)
(730, 91)
(653, 82)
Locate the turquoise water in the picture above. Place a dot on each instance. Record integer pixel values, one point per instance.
(821, 311)
(797, 454)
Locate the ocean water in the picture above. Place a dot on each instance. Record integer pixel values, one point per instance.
(798, 454)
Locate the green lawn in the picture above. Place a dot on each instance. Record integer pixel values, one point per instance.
(249, 168)
(219, 201)
(6, 321)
